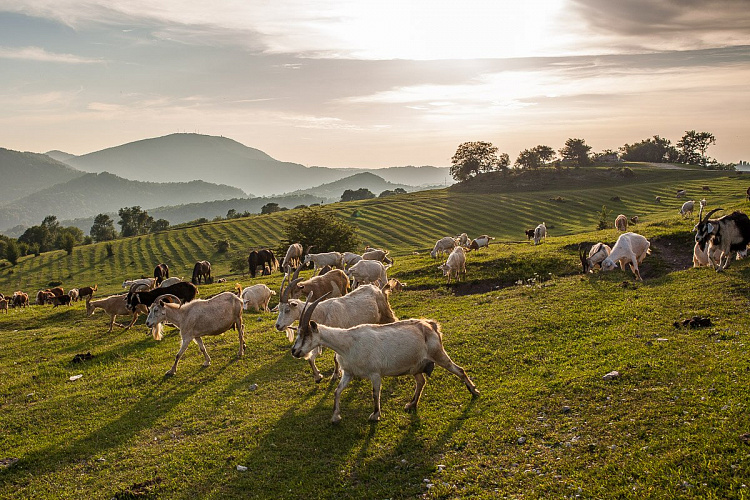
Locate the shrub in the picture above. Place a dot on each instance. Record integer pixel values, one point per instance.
(110, 250)
(238, 262)
(222, 246)
(604, 217)
(12, 252)
(325, 230)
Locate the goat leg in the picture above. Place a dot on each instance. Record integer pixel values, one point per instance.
(421, 381)
(207, 361)
(376, 383)
(345, 379)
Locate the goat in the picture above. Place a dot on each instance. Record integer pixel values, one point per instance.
(170, 281)
(634, 219)
(73, 294)
(730, 233)
(540, 232)
(529, 234)
(701, 256)
(263, 258)
(463, 239)
(44, 297)
(687, 208)
(333, 259)
(368, 271)
(20, 299)
(4, 305)
(57, 291)
(703, 203)
(114, 305)
(621, 223)
(184, 290)
(293, 257)
(201, 270)
(334, 281)
(61, 300)
(161, 272)
(87, 291)
(351, 258)
(480, 241)
(657, 199)
(255, 296)
(324, 270)
(197, 319)
(630, 248)
(597, 253)
(456, 264)
(366, 304)
(681, 193)
(144, 283)
(410, 347)
(442, 246)
(707, 188)
(378, 254)
(395, 285)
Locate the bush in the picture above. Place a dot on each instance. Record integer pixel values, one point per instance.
(604, 217)
(68, 243)
(12, 252)
(222, 246)
(110, 250)
(238, 262)
(326, 231)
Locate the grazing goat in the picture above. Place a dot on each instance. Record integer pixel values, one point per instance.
(335, 281)
(681, 193)
(44, 297)
(707, 188)
(20, 299)
(115, 305)
(634, 219)
(73, 294)
(201, 270)
(197, 319)
(57, 291)
(262, 258)
(540, 232)
(368, 271)
(255, 296)
(143, 283)
(184, 290)
(161, 272)
(480, 241)
(456, 264)
(597, 253)
(687, 208)
(410, 347)
(293, 257)
(59, 300)
(730, 233)
(658, 199)
(170, 281)
(630, 248)
(87, 291)
(366, 304)
(378, 254)
(621, 223)
(4, 305)
(529, 234)
(333, 259)
(351, 258)
(442, 246)
(395, 285)
(701, 257)
(463, 239)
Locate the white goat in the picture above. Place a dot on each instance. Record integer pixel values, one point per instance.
(687, 208)
(143, 283)
(73, 294)
(378, 254)
(255, 296)
(630, 248)
(463, 239)
(293, 257)
(540, 232)
(368, 271)
(199, 318)
(351, 258)
(333, 259)
(169, 282)
(410, 347)
(442, 246)
(480, 241)
(701, 256)
(456, 264)
(366, 304)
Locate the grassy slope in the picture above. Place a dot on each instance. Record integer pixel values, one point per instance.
(668, 427)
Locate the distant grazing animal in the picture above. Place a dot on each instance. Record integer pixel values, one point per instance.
(634, 219)
(293, 257)
(20, 299)
(201, 270)
(183, 290)
(255, 296)
(703, 203)
(73, 294)
(707, 188)
(4, 305)
(44, 297)
(333, 259)
(480, 241)
(410, 347)
(368, 271)
(456, 264)
(161, 272)
(443, 245)
(630, 248)
(681, 193)
(621, 223)
(143, 283)
(658, 199)
(114, 305)
(61, 300)
(86, 291)
(198, 319)
(378, 254)
(687, 208)
(540, 232)
(463, 239)
(170, 281)
(529, 234)
(57, 291)
(597, 253)
(263, 258)
(730, 233)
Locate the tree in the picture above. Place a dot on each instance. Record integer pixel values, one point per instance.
(576, 150)
(324, 229)
(12, 252)
(399, 191)
(385, 193)
(359, 194)
(232, 213)
(134, 221)
(472, 158)
(67, 243)
(103, 228)
(655, 150)
(693, 147)
(270, 208)
(159, 225)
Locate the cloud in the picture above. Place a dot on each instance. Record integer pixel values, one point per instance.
(41, 55)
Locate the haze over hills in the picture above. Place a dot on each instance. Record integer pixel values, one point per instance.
(332, 191)
(91, 194)
(25, 173)
(185, 157)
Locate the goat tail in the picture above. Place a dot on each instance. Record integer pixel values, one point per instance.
(435, 327)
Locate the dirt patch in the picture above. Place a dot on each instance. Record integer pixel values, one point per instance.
(144, 490)
(475, 287)
(669, 254)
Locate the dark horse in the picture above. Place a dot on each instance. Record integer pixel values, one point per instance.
(160, 273)
(202, 269)
(262, 258)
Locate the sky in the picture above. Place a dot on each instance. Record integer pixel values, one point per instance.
(374, 83)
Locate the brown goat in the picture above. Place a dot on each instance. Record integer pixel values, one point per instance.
(334, 282)
(86, 291)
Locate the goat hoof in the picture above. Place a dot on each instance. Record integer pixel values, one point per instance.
(206, 364)
(336, 419)
(170, 373)
(318, 379)
(410, 407)
(374, 417)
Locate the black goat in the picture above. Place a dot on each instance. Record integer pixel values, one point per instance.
(183, 290)
(728, 234)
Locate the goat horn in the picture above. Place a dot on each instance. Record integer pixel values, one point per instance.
(283, 296)
(309, 308)
(163, 298)
(709, 214)
(309, 248)
(133, 287)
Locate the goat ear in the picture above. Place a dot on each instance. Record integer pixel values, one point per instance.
(710, 228)
(313, 326)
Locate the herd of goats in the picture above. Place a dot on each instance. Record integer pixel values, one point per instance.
(345, 305)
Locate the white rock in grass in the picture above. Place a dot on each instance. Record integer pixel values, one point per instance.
(611, 375)
(75, 377)
(241, 468)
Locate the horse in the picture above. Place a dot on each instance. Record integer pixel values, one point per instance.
(160, 273)
(201, 269)
(261, 258)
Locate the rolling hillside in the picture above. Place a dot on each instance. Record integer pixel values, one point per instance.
(332, 191)
(25, 173)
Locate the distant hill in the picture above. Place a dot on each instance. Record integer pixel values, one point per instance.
(90, 194)
(185, 157)
(60, 155)
(22, 174)
(332, 191)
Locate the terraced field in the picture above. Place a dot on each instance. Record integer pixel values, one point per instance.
(533, 334)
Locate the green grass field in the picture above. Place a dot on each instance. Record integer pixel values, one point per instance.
(547, 424)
